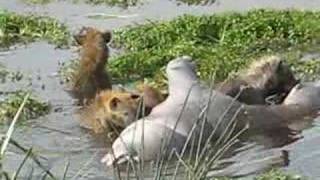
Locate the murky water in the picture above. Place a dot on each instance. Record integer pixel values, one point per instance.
(56, 136)
(59, 138)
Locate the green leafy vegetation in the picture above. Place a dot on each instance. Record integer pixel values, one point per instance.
(9, 75)
(221, 43)
(37, 1)
(306, 66)
(33, 107)
(122, 3)
(278, 175)
(3, 73)
(196, 2)
(16, 28)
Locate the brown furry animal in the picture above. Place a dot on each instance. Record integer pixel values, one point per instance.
(151, 97)
(91, 77)
(267, 76)
(109, 111)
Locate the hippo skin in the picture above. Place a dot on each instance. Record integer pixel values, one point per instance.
(175, 118)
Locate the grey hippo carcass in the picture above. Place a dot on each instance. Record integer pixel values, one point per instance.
(174, 119)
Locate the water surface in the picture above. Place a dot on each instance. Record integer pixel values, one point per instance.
(58, 137)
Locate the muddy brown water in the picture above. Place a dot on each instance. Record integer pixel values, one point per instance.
(57, 136)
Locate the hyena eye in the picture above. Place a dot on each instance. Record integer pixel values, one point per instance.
(135, 96)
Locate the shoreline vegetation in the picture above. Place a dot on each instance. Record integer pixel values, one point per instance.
(223, 42)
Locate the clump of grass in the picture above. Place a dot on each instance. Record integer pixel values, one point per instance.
(33, 107)
(196, 2)
(16, 28)
(122, 3)
(278, 174)
(37, 1)
(9, 75)
(3, 73)
(128, 3)
(6, 139)
(306, 67)
(220, 43)
(119, 3)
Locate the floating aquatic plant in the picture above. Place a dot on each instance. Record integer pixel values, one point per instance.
(220, 43)
(33, 107)
(15, 28)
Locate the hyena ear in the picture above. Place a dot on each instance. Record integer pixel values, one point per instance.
(279, 65)
(107, 36)
(79, 37)
(114, 103)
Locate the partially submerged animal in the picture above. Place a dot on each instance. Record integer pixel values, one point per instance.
(91, 76)
(151, 97)
(297, 111)
(110, 111)
(180, 114)
(115, 109)
(267, 76)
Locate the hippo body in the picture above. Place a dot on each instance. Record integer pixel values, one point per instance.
(175, 116)
(154, 136)
(181, 111)
(305, 94)
(187, 102)
(188, 99)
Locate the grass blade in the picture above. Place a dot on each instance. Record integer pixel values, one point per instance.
(11, 128)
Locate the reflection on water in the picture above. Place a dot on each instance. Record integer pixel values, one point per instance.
(58, 137)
